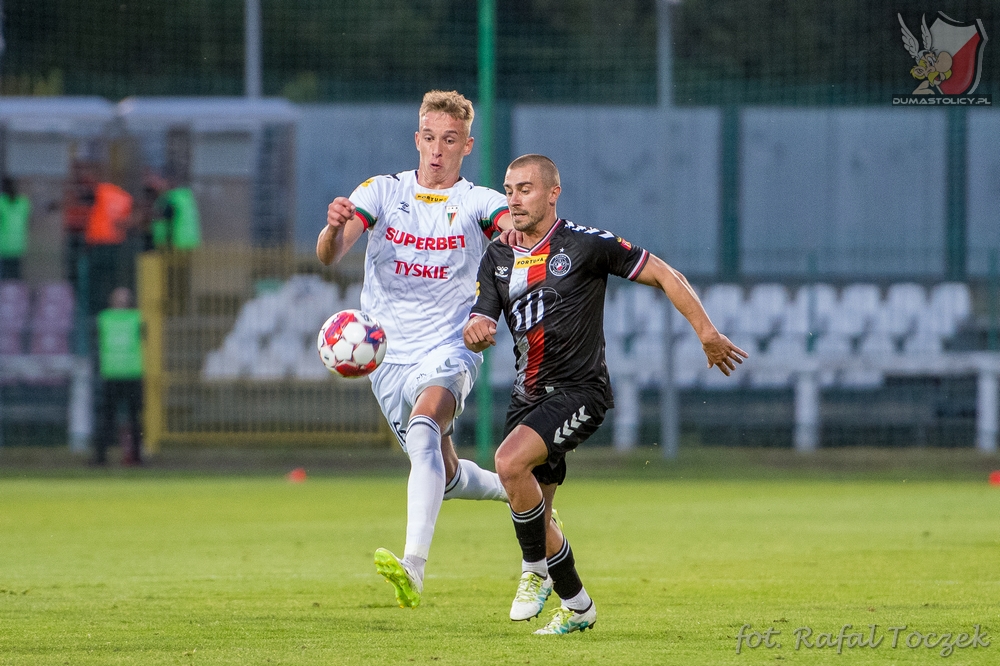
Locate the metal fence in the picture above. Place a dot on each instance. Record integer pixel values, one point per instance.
(191, 304)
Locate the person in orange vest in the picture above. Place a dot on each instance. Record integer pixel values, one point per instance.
(107, 224)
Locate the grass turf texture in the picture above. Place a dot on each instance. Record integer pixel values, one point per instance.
(216, 570)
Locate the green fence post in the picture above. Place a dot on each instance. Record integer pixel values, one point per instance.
(485, 112)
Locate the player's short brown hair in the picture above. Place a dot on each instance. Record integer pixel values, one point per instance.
(451, 103)
(546, 167)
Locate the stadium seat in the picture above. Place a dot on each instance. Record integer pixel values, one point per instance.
(14, 304)
(950, 304)
(810, 310)
(761, 315)
(855, 310)
(904, 305)
(51, 319)
(689, 361)
(787, 348)
(723, 303)
(831, 347)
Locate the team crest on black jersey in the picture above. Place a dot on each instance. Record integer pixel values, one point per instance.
(560, 264)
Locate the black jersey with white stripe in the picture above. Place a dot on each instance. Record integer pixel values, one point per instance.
(552, 297)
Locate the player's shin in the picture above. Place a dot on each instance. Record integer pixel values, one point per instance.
(530, 527)
(565, 580)
(424, 489)
(475, 483)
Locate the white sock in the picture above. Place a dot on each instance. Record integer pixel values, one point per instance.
(541, 567)
(579, 603)
(425, 487)
(415, 567)
(474, 483)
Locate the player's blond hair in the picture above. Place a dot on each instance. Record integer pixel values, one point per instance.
(451, 103)
(546, 167)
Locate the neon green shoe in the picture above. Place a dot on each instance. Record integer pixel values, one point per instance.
(566, 621)
(555, 517)
(407, 588)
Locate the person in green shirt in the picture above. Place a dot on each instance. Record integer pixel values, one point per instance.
(119, 340)
(176, 223)
(15, 211)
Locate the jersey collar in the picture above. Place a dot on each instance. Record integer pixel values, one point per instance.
(544, 239)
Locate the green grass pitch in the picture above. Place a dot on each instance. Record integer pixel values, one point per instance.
(210, 570)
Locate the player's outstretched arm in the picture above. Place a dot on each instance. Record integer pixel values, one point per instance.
(343, 229)
(479, 333)
(719, 351)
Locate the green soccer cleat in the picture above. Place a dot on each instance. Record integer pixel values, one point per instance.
(407, 588)
(559, 522)
(566, 621)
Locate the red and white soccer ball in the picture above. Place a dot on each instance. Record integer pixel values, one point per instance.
(351, 344)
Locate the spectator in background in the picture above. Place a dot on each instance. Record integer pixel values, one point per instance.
(15, 211)
(119, 344)
(176, 223)
(176, 226)
(107, 224)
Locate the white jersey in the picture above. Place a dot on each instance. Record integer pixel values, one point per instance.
(422, 260)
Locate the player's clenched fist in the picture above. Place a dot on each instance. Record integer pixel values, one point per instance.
(339, 212)
(479, 332)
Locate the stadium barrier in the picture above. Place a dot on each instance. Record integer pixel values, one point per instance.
(192, 301)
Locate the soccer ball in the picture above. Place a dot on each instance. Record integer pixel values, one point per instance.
(351, 344)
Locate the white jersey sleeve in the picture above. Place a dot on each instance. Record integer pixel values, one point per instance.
(368, 198)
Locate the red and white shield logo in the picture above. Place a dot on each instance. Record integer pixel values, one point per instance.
(965, 43)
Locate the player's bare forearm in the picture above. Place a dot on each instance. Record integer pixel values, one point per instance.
(719, 350)
(327, 246)
(656, 273)
(479, 333)
(342, 230)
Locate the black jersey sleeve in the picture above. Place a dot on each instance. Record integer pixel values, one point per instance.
(487, 295)
(623, 258)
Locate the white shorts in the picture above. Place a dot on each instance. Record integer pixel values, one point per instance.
(397, 386)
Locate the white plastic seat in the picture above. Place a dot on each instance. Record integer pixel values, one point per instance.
(760, 315)
(787, 350)
(832, 348)
(904, 304)
(855, 310)
(689, 361)
(723, 303)
(949, 305)
(809, 311)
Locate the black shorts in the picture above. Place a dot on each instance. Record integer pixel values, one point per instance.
(564, 419)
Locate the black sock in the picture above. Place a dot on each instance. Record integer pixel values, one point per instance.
(530, 530)
(562, 567)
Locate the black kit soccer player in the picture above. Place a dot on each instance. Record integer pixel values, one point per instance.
(550, 289)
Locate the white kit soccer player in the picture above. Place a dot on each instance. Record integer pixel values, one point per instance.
(427, 230)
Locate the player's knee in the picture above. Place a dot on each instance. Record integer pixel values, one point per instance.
(508, 466)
